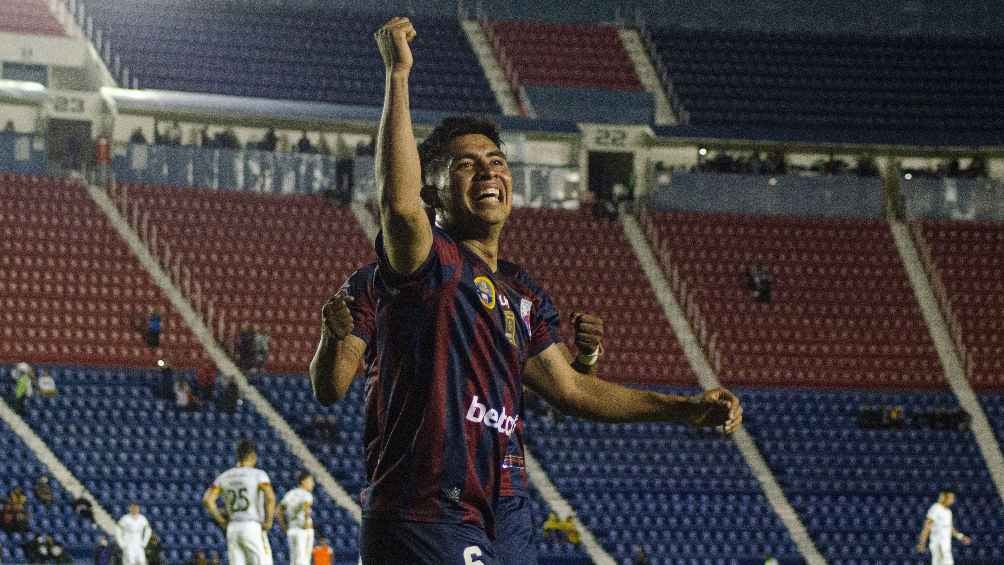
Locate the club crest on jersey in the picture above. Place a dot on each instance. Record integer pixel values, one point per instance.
(524, 312)
(486, 291)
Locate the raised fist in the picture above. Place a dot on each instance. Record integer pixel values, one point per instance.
(588, 332)
(393, 38)
(336, 320)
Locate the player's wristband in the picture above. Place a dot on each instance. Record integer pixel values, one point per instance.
(958, 535)
(590, 359)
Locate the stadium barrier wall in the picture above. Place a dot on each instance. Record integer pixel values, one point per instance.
(835, 196)
(953, 198)
(296, 173)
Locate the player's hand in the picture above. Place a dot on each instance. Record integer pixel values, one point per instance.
(393, 38)
(966, 540)
(266, 526)
(336, 320)
(921, 549)
(716, 408)
(588, 332)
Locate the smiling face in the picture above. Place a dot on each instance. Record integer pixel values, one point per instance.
(477, 197)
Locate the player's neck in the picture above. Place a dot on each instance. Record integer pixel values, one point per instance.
(486, 249)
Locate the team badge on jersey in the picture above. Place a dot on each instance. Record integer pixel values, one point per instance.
(486, 291)
(524, 312)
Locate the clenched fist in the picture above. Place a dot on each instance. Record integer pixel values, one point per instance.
(717, 408)
(336, 320)
(393, 39)
(588, 332)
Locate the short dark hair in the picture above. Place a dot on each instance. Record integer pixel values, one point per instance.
(302, 476)
(245, 448)
(433, 151)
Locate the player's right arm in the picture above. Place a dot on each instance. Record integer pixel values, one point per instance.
(924, 533)
(209, 502)
(406, 229)
(338, 354)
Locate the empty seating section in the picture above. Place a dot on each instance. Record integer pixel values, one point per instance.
(843, 311)
(907, 84)
(863, 494)
(268, 261)
(20, 468)
(70, 290)
(588, 266)
(684, 496)
(29, 17)
(970, 259)
(125, 445)
(571, 55)
(284, 52)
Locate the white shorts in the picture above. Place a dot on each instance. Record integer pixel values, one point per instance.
(301, 545)
(247, 544)
(133, 554)
(941, 554)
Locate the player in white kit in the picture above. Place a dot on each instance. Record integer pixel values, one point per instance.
(938, 531)
(132, 533)
(295, 517)
(249, 508)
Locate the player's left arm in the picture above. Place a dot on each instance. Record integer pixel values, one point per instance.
(281, 516)
(209, 503)
(147, 532)
(963, 538)
(270, 505)
(550, 375)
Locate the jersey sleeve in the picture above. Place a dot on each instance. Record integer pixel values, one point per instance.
(931, 512)
(363, 306)
(263, 478)
(545, 322)
(443, 265)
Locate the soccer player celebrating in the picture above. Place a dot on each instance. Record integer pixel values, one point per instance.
(457, 336)
(296, 520)
(350, 317)
(249, 502)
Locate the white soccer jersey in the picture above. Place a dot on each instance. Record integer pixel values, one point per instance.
(132, 535)
(941, 528)
(296, 512)
(242, 493)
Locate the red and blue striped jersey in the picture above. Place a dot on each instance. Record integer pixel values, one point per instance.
(444, 397)
(361, 286)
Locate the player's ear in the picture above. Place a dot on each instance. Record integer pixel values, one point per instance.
(430, 195)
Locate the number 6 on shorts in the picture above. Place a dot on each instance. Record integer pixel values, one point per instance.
(470, 552)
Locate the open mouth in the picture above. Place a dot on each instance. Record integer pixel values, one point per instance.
(488, 194)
